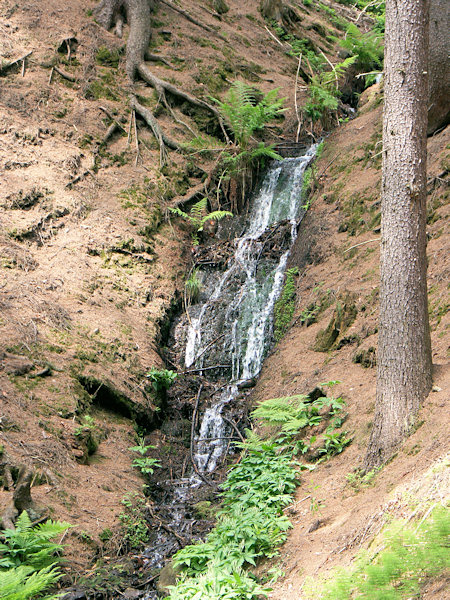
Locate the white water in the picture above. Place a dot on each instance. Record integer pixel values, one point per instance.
(243, 301)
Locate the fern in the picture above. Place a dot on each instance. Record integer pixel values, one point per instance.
(22, 584)
(277, 411)
(199, 215)
(30, 545)
(324, 92)
(366, 47)
(245, 114)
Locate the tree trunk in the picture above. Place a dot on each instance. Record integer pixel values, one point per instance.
(439, 88)
(404, 349)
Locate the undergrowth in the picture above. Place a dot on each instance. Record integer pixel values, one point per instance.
(410, 556)
(251, 524)
(29, 560)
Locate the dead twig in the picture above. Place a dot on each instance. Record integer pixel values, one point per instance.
(10, 64)
(234, 426)
(362, 244)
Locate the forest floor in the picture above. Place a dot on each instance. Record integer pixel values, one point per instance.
(90, 266)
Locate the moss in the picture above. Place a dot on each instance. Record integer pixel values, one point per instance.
(365, 358)
(343, 316)
(285, 305)
(109, 58)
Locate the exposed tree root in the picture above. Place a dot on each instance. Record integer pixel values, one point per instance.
(191, 19)
(21, 500)
(108, 12)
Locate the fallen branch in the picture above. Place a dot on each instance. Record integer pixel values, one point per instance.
(234, 426)
(65, 75)
(7, 66)
(206, 369)
(362, 244)
(79, 178)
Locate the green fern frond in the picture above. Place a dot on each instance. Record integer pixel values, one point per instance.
(180, 213)
(277, 411)
(22, 584)
(216, 215)
(199, 208)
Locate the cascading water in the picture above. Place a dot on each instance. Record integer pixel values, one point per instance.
(233, 326)
(227, 335)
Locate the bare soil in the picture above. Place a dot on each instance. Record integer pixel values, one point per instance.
(84, 285)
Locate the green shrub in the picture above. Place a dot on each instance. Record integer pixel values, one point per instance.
(29, 545)
(199, 215)
(161, 379)
(133, 520)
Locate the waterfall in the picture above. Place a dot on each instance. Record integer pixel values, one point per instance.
(233, 326)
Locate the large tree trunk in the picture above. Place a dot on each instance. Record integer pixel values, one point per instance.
(439, 88)
(404, 349)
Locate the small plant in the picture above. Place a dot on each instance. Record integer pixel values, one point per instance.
(144, 463)
(359, 479)
(133, 520)
(161, 379)
(246, 111)
(199, 215)
(335, 443)
(29, 545)
(367, 47)
(86, 423)
(324, 91)
(411, 555)
(193, 287)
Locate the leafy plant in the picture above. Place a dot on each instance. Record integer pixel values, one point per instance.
(193, 286)
(132, 518)
(87, 422)
(359, 478)
(161, 379)
(29, 545)
(28, 561)
(199, 215)
(22, 583)
(334, 443)
(324, 90)
(144, 463)
(246, 112)
(367, 47)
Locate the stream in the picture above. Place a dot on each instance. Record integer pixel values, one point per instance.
(227, 333)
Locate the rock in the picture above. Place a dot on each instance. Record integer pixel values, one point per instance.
(75, 594)
(132, 594)
(367, 358)
(343, 316)
(167, 576)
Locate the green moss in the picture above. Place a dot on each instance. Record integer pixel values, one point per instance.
(285, 305)
(343, 316)
(109, 58)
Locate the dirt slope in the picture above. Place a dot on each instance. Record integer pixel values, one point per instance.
(338, 255)
(90, 264)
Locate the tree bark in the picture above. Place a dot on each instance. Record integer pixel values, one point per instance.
(404, 348)
(439, 87)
